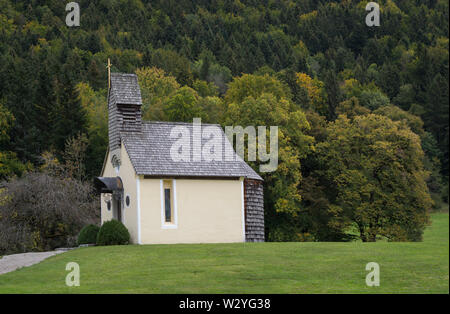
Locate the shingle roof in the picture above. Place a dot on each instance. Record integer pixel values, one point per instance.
(125, 89)
(149, 152)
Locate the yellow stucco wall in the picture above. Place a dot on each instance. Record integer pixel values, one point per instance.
(127, 174)
(207, 211)
(108, 171)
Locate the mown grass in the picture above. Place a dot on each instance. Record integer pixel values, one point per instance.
(247, 268)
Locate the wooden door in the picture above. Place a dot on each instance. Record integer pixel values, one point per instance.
(119, 210)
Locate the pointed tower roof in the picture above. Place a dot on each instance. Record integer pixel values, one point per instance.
(125, 89)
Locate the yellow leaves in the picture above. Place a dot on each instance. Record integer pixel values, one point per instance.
(289, 203)
(350, 85)
(256, 100)
(282, 205)
(93, 103)
(249, 85)
(156, 88)
(335, 210)
(51, 164)
(315, 91)
(385, 6)
(10, 166)
(36, 240)
(123, 34)
(300, 50)
(107, 48)
(397, 114)
(308, 16)
(442, 43)
(183, 105)
(43, 42)
(35, 28)
(7, 26)
(376, 165)
(351, 108)
(153, 77)
(311, 85)
(389, 6)
(304, 237)
(204, 88)
(128, 54)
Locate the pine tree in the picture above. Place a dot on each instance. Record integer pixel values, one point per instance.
(68, 114)
(436, 115)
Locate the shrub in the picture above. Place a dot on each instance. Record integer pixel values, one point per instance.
(39, 212)
(113, 232)
(88, 235)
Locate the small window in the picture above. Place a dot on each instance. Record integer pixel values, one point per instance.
(168, 197)
(108, 205)
(127, 200)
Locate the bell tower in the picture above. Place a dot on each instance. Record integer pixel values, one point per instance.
(124, 110)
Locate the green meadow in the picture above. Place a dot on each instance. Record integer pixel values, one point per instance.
(306, 267)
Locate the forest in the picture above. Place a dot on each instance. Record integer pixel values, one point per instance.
(363, 112)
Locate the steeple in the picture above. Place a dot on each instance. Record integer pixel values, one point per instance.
(124, 109)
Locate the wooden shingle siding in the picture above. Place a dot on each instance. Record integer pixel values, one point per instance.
(113, 125)
(125, 89)
(149, 152)
(254, 210)
(124, 107)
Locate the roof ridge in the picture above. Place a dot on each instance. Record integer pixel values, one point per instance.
(175, 122)
(123, 74)
(125, 89)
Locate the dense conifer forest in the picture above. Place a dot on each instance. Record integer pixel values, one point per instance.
(363, 111)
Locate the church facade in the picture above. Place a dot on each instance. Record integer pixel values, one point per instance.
(162, 199)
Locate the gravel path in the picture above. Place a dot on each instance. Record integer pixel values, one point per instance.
(12, 262)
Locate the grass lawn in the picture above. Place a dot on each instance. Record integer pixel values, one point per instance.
(247, 268)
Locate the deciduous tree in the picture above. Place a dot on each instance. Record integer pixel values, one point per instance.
(376, 178)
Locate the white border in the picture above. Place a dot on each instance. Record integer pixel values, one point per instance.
(138, 206)
(243, 210)
(165, 225)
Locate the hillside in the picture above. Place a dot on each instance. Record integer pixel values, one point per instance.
(42, 59)
(362, 111)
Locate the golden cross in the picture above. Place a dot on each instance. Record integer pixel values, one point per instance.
(109, 73)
